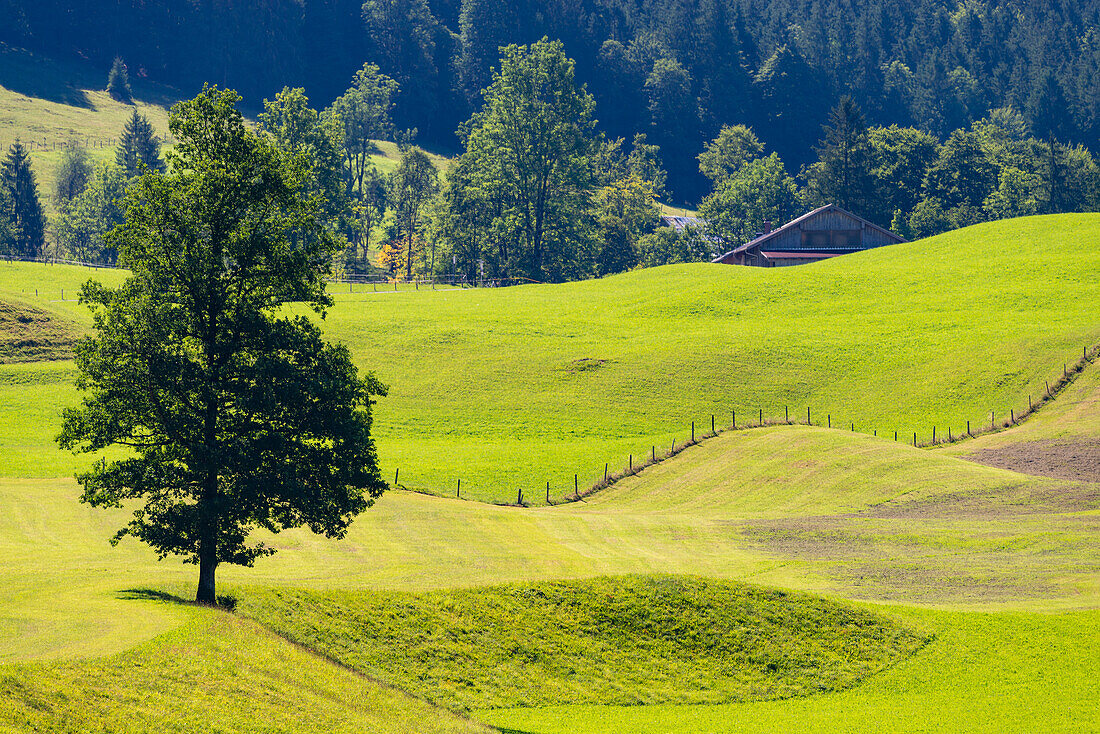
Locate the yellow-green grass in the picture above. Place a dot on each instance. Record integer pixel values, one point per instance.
(950, 534)
(508, 389)
(1073, 415)
(848, 515)
(626, 640)
(213, 673)
(909, 526)
(1003, 672)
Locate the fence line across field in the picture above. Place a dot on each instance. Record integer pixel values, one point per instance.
(758, 419)
(1008, 418)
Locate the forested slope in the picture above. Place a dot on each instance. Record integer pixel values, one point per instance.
(675, 69)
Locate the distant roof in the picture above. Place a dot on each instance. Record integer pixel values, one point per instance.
(802, 255)
(760, 240)
(681, 223)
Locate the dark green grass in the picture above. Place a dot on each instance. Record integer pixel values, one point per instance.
(613, 640)
(29, 334)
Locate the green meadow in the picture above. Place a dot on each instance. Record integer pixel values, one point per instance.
(510, 389)
(783, 578)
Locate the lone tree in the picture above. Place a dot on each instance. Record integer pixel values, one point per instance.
(138, 147)
(23, 209)
(237, 415)
(118, 82)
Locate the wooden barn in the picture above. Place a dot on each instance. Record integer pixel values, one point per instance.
(823, 233)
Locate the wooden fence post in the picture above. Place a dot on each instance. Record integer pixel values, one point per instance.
(786, 414)
(605, 473)
(576, 487)
(548, 493)
(933, 434)
(458, 492)
(808, 415)
(830, 420)
(712, 424)
(630, 464)
(761, 416)
(519, 497)
(693, 431)
(991, 419)
(968, 429)
(914, 440)
(653, 454)
(396, 472)
(733, 416)
(895, 436)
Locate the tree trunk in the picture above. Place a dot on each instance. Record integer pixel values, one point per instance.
(208, 563)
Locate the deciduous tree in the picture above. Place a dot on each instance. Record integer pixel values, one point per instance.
(73, 172)
(237, 415)
(364, 113)
(412, 184)
(527, 159)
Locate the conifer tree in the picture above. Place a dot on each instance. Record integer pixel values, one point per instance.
(842, 175)
(118, 82)
(138, 146)
(23, 209)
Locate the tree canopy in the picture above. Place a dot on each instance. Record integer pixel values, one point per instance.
(237, 415)
(527, 159)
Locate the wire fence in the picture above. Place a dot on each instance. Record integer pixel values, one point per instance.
(91, 142)
(756, 419)
(937, 435)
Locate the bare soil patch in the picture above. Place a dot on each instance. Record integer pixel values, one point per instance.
(1077, 459)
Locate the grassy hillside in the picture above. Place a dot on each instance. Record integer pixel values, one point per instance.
(213, 673)
(987, 673)
(47, 104)
(612, 640)
(508, 389)
(848, 515)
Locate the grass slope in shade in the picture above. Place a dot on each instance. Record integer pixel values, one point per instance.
(983, 674)
(619, 640)
(215, 673)
(29, 334)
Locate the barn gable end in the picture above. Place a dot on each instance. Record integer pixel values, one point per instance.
(818, 235)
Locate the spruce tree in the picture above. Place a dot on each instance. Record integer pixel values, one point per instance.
(118, 82)
(842, 175)
(23, 209)
(1051, 123)
(139, 145)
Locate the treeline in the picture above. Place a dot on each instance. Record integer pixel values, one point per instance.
(675, 70)
(539, 193)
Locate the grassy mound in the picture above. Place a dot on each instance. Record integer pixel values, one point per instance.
(984, 674)
(611, 640)
(29, 334)
(213, 674)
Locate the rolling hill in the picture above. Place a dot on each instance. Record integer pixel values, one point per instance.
(997, 569)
